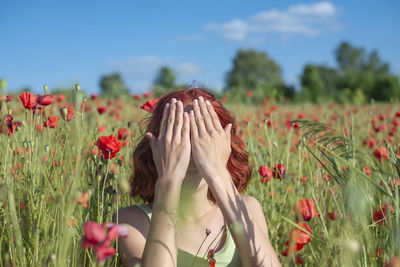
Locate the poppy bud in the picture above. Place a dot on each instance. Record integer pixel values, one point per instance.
(45, 87)
(77, 87)
(3, 84)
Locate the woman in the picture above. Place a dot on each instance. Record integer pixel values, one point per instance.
(192, 179)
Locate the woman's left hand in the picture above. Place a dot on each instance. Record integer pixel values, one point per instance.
(211, 144)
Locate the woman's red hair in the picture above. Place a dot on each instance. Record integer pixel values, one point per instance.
(144, 176)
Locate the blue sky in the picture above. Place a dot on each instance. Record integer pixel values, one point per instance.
(64, 42)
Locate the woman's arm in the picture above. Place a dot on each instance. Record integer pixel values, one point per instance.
(251, 241)
(211, 148)
(171, 155)
(161, 248)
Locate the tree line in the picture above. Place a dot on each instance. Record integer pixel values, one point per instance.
(359, 77)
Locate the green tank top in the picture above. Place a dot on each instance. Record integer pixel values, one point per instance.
(228, 255)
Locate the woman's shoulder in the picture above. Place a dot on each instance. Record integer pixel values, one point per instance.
(249, 201)
(133, 216)
(135, 220)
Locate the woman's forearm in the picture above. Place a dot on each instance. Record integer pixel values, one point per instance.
(253, 246)
(161, 248)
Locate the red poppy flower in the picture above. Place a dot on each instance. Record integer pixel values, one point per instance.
(381, 153)
(8, 125)
(378, 252)
(67, 113)
(250, 93)
(150, 105)
(265, 172)
(291, 247)
(333, 215)
(147, 94)
(367, 170)
(327, 177)
(306, 208)
(298, 236)
(136, 96)
(298, 259)
(211, 263)
(369, 142)
(279, 171)
(103, 252)
(45, 100)
(52, 122)
(101, 129)
(109, 146)
(94, 234)
(93, 96)
(96, 237)
(60, 97)
(6, 98)
(101, 110)
(28, 100)
(84, 199)
(122, 133)
(381, 214)
(298, 239)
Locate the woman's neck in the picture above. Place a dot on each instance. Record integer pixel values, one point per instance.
(194, 204)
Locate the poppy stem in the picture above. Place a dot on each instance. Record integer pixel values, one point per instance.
(104, 184)
(195, 258)
(222, 228)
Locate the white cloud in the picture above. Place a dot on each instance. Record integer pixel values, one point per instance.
(139, 72)
(302, 19)
(233, 30)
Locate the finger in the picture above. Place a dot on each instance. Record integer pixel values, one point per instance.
(199, 119)
(171, 120)
(206, 116)
(194, 134)
(178, 122)
(164, 118)
(228, 129)
(214, 117)
(186, 128)
(150, 137)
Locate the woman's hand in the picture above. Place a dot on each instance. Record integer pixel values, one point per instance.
(211, 144)
(171, 149)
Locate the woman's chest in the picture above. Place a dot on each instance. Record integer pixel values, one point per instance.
(192, 237)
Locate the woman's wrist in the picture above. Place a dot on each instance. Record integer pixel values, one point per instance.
(217, 177)
(168, 182)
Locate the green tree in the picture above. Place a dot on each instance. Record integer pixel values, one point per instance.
(252, 70)
(330, 77)
(165, 78)
(164, 81)
(386, 88)
(113, 86)
(366, 71)
(311, 83)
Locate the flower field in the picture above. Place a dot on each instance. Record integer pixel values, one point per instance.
(327, 177)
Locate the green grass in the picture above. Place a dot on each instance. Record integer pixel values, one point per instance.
(42, 175)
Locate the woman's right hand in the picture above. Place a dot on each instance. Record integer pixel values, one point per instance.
(171, 149)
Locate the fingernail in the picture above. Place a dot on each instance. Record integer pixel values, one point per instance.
(173, 100)
(195, 102)
(208, 103)
(201, 99)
